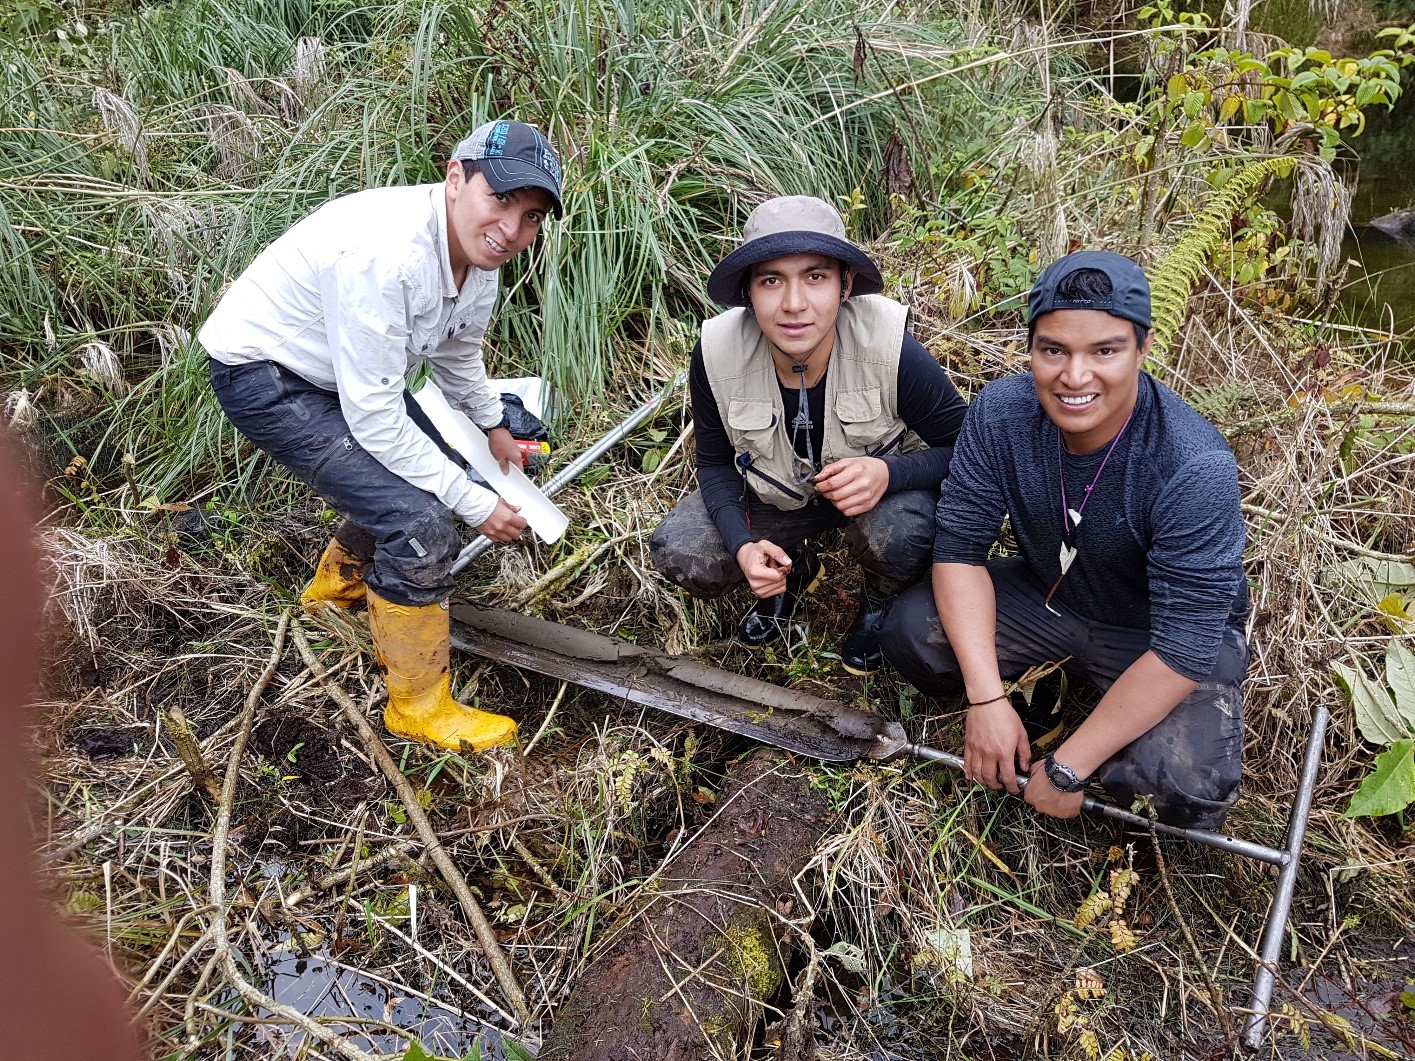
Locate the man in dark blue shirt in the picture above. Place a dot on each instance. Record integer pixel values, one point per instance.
(1125, 506)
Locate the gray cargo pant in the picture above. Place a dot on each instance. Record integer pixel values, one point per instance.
(407, 533)
(893, 542)
(1190, 763)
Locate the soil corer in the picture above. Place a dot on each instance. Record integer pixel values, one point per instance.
(832, 731)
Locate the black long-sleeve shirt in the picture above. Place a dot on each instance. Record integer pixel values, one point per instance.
(929, 405)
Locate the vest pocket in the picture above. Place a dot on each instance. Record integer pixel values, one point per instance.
(862, 419)
(751, 426)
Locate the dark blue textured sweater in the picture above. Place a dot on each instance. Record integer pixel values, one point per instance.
(1160, 547)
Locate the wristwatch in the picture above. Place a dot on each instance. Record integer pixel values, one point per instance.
(1062, 778)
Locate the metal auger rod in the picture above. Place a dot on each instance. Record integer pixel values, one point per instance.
(572, 471)
(1231, 844)
(1256, 1025)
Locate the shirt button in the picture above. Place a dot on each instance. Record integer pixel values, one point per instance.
(385, 381)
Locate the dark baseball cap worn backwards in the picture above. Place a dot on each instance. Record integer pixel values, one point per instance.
(1129, 297)
(512, 156)
(791, 224)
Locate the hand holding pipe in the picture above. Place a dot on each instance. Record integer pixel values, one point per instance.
(892, 743)
(571, 471)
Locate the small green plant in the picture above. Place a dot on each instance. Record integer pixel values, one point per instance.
(1385, 714)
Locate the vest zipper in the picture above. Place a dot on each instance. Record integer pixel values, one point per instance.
(746, 465)
(896, 440)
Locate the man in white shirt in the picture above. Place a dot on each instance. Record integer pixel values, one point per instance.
(309, 350)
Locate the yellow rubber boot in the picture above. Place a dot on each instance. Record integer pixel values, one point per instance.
(412, 646)
(338, 580)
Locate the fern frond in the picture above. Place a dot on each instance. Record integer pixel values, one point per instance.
(1174, 275)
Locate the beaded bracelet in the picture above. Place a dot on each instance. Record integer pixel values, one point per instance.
(980, 703)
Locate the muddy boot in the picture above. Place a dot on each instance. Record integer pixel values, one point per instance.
(338, 578)
(770, 615)
(859, 649)
(412, 646)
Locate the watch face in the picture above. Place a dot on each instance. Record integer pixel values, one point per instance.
(1063, 778)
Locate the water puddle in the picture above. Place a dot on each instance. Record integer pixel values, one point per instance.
(322, 986)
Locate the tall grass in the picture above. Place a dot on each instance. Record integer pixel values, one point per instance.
(142, 166)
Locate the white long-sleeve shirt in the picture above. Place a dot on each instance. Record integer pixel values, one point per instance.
(353, 298)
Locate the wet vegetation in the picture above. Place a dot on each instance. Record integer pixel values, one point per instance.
(205, 793)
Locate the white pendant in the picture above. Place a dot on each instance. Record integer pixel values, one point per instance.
(1068, 556)
(1075, 518)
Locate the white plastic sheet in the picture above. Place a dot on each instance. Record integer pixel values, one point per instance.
(545, 519)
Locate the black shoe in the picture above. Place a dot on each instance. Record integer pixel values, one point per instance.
(1042, 717)
(770, 614)
(859, 650)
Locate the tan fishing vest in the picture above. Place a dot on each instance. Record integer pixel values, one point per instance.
(861, 396)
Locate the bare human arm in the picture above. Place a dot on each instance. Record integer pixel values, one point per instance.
(1141, 697)
(994, 739)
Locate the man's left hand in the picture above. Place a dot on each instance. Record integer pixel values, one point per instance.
(1044, 797)
(853, 485)
(504, 448)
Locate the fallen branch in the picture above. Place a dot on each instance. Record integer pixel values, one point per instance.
(1331, 539)
(486, 936)
(219, 836)
(189, 748)
(1297, 412)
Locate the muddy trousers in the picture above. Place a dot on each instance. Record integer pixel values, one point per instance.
(1189, 764)
(893, 542)
(409, 536)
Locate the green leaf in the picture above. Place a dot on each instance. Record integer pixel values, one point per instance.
(416, 1052)
(1229, 108)
(1390, 786)
(1194, 135)
(1366, 92)
(1376, 716)
(1193, 103)
(1400, 676)
(1178, 85)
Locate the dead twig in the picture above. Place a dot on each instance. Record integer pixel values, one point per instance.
(219, 836)
(486, 936)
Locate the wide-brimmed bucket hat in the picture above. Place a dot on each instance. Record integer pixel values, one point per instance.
(791, 224)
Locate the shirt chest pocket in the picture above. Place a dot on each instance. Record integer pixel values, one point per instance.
(863, 420)
(751, 425)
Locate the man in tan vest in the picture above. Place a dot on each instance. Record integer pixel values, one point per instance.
(813, 409)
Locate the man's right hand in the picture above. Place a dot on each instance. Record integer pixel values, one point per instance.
(503, 525)
(994, 741)
(765, 564)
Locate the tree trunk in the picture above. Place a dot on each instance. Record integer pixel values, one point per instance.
(686, 976)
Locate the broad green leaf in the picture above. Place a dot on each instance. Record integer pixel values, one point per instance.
(1390, 787)
(1178, 85)
(1376, 716)
(1366, 92)
(1193, 103)
(1400, 676)
(1193, 136)
(1229, 108)
(416, 1053)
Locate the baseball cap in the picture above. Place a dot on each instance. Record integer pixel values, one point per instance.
(513, 155)
(1129, 297)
